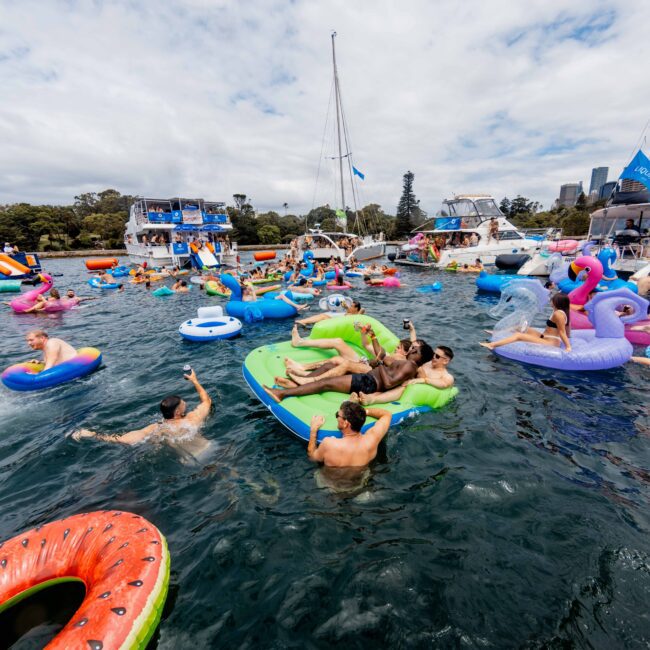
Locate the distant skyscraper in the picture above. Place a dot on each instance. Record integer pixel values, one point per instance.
(598, 178)
(606, 190)
(569, 193)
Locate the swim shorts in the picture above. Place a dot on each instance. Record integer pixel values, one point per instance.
(363, 383)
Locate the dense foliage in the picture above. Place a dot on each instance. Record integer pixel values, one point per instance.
(573, 221)
(97, 219)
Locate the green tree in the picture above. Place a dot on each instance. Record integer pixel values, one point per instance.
(504, 206)
(269, 235)
(109, 227)
(408, 208)
(581, 202)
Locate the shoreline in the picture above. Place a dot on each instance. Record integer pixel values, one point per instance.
(121, 252)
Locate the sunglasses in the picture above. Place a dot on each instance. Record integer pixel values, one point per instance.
(438, 356)
(338, 415)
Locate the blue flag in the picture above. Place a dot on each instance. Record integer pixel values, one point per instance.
(356, 172)
(638, 169)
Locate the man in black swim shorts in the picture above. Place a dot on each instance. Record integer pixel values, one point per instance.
(381, 378)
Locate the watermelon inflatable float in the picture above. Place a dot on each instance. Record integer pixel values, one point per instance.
(121, 558)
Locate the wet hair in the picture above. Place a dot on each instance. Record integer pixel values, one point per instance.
(561, 302)
(448, 351)
(183, 283)
(302, 282)
(169, 405)
(549, 284)
(54, 293)
(355, 414)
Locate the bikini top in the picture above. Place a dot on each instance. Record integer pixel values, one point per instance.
(550, 324)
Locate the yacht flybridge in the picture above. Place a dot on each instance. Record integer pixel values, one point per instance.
(463, 234)
(179, 232)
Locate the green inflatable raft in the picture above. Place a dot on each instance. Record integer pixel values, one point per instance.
(263, 364)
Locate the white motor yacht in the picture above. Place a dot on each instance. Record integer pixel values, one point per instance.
(179, 232)
(463, 235)
(343, 245)
(623, 225)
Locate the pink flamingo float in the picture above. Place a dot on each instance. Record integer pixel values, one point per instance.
(580, 297)
(27, 300)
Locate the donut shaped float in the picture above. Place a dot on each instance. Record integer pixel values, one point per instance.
(210, 325)
(264, 363)
(97, 283)
(257, 310)
(263, 256)
(31, 376)
(100, 263)
(122, 560)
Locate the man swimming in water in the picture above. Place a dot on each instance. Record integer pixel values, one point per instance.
(177, 428)
(353, 449)
(55, 351)
(379, 379)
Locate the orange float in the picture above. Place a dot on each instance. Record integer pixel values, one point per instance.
(121, 558)
(101, 263)
(389, 271)
(263, 256)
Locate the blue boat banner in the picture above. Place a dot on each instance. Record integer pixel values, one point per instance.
(448, 223)
(638, 169)
(356, 172)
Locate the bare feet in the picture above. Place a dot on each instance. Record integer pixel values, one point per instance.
(294, 367)
(273, 393)
(366, 400)
(284, 382)
(296, 341)
(354, 398)
(486, 344)
(297, 379)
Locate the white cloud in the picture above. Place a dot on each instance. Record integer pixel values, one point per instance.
(204, 98)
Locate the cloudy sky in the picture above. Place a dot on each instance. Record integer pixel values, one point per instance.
(214, 97)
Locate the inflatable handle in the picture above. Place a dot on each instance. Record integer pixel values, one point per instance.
(601, 310)
(231, 283)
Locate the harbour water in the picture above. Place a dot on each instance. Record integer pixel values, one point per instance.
(517, 516)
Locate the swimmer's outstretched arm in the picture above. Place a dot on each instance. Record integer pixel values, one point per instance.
(412, 335)
(644, 361)
(201, 412)
(315, 453)
(130, 438)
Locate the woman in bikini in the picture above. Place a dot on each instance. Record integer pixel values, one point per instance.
(556, 333)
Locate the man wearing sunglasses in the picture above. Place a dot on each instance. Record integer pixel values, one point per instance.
(379, 379)
(435, 374)
(352, 449)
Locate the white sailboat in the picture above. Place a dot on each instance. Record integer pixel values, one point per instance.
(340, 243)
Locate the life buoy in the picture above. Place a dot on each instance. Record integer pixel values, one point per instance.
(121, 558)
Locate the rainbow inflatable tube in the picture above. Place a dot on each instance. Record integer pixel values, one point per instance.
(257, 310)
(599, 349)
(31, 376)
(27, 299)
(122, 561)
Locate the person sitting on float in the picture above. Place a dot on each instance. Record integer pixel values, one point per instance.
(249, 295)
(353, 310)
(42, 302)
(55, 351)
(556, 333)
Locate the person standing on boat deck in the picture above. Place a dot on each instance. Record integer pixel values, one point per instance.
(352, 449)
(493, 230)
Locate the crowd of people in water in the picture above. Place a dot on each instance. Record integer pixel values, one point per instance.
(367, 380)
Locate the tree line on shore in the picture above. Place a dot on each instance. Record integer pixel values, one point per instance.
(98, 219)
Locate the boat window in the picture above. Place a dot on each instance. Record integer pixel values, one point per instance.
(488, 208)
(462, 208)
(509, 234)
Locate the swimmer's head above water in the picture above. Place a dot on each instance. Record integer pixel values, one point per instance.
(173, 407)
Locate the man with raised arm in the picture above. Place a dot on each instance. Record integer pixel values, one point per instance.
(353, 449)
(177, 428)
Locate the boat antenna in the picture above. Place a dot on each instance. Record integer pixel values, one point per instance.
(338, 119)
(642, 139)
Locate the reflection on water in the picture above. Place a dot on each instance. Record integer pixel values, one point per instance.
(515, 517)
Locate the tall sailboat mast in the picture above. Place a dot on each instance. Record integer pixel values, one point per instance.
(338, 120)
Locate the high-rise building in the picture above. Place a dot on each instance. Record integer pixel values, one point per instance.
(598, 178)
(607, 189)
(569, 193)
